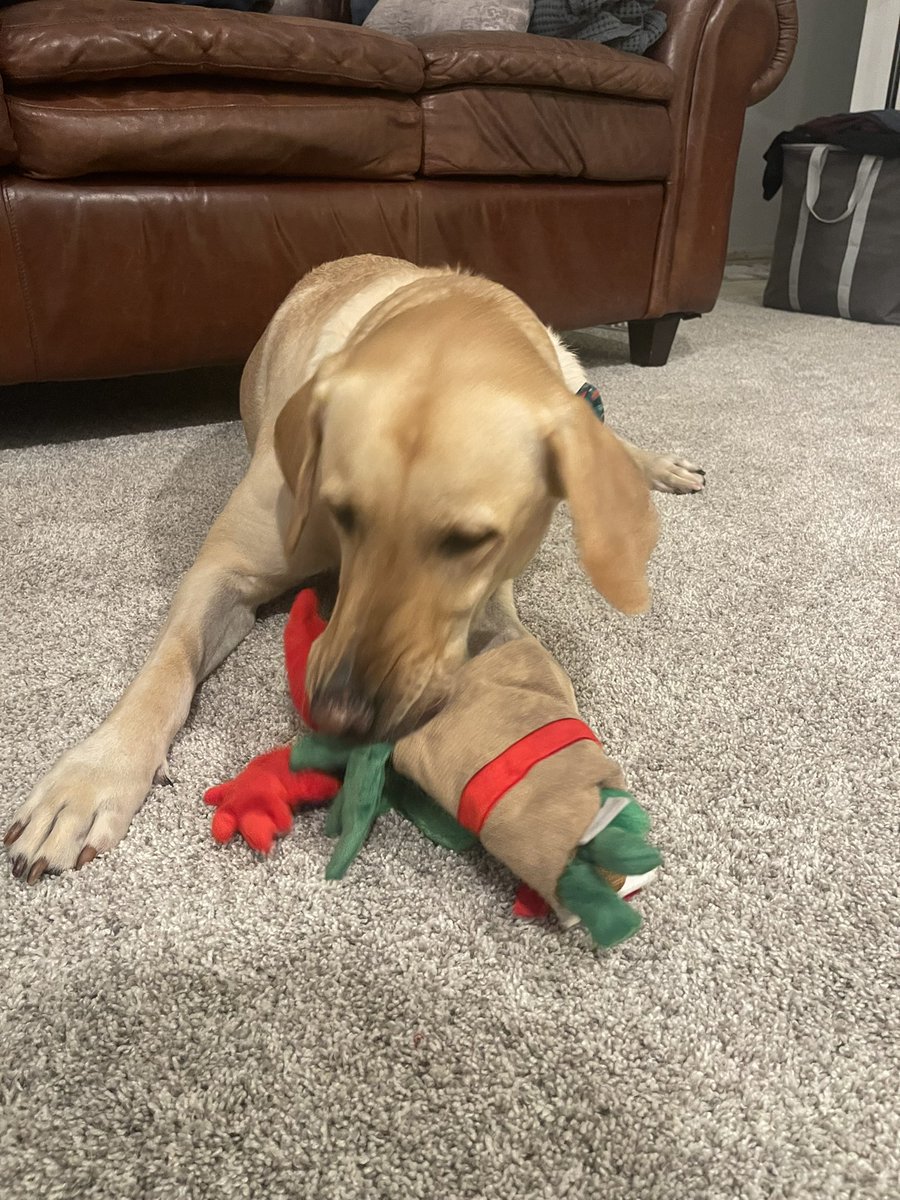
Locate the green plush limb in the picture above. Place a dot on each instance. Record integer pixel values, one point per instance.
(334, 817)
(632, 817)
(426, 814)
(607, 917)
(358, 805)
(371, 787)
(316, 752)
(621, 852)
(621, 847)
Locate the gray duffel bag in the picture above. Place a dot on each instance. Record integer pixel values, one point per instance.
(837, 249)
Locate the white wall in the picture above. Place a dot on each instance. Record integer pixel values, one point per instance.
(819, 82)
(872, 86)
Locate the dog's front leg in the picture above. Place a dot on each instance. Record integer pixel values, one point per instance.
(666, 472)
(84, 805)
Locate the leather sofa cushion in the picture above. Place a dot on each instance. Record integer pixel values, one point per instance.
(215, 128)
(530, 132)
(44, 41)
(525, 60)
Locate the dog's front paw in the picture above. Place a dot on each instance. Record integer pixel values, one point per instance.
(82, 807)
(668, 473)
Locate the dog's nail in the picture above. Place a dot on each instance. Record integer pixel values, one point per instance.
(37, 870)
(12, 833)
(18, 866)
(700, 471)
(87, 855)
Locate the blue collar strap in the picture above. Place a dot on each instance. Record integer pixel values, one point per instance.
(592, 395)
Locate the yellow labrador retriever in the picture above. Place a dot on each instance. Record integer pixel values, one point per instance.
(414, 428)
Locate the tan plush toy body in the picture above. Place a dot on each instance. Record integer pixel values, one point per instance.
(510, 758)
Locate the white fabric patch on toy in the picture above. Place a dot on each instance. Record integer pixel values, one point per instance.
(607, 812)
(634, 883)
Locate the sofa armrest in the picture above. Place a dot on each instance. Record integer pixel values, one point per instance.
(783, 54)
(8, 150)
(724, 55)
(687, 23)
(18, 360)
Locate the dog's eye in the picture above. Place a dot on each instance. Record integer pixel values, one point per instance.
(459, 542)
(344, 516)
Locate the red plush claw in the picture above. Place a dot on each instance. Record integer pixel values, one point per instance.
(259, 819)
(303, 626)
(258, 804)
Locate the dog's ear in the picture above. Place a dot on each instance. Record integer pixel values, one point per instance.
(614, 517)
(298, 441)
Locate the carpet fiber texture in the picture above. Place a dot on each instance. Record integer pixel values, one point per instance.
(182, 1020)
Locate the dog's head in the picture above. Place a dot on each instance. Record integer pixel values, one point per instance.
(439, 441)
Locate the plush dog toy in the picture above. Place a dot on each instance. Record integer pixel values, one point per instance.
(507, 761)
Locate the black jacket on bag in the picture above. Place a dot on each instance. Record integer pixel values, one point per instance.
(874, 132)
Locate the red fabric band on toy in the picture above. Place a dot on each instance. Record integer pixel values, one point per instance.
(493, 781)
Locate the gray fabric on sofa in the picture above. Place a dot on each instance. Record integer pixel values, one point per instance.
(412, 18)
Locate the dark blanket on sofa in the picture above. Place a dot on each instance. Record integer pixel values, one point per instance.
(632, 25)
(240, 5)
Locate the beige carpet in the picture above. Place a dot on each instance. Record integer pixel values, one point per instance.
(180, 1020)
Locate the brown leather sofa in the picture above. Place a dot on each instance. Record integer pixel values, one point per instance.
(168, 172)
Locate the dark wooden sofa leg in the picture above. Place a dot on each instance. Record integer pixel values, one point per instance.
(649, 342)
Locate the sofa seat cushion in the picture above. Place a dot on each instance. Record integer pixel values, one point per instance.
(525, 60)
(237, 129)
(44, 41)
(531, 132)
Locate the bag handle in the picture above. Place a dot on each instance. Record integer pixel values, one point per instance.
(814, 182)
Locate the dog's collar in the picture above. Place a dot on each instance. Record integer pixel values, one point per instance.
(594, 399)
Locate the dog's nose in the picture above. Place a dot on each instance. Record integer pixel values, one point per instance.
(341, 714)
(340, 708)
